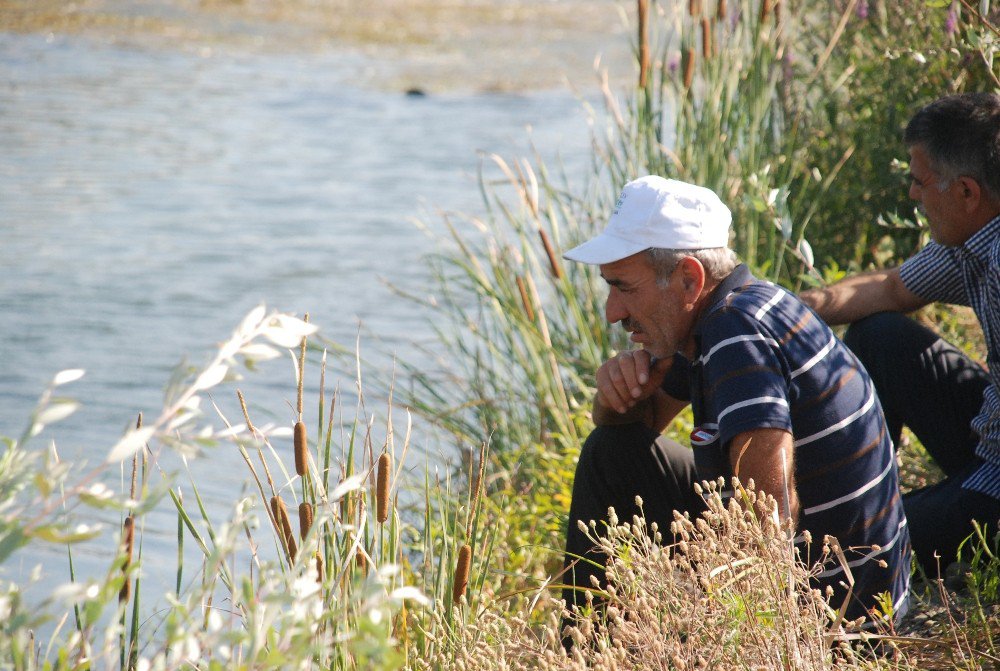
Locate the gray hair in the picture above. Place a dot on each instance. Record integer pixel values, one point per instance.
(717, 261)
(961, 135)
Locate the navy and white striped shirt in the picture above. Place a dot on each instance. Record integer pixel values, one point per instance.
(970, 275)
(765, 360)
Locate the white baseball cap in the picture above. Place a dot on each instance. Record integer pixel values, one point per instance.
(661, 213)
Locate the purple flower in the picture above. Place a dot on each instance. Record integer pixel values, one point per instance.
(951, 23)
(673, 63)
(862, 10)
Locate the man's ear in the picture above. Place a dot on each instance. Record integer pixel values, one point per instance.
(693, 278)
(970, 192)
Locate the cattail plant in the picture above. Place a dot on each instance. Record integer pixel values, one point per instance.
(706, 38)
(721, 11)
(284, 525)
(550, 252)
(382, 488)
(525, 300)
(462, 567)
(305, 519)
(689, 59)
(644, 58)
(300, 437)
(128, 543)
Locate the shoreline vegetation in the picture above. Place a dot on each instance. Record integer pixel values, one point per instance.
(792, 111)
(433, 45)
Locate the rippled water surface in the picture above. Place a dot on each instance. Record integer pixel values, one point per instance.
(149, 199)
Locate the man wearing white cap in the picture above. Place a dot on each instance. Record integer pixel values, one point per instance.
(776, 398)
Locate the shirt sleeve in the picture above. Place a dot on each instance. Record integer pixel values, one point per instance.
(745, 385)
(677, 383)
(934, 274)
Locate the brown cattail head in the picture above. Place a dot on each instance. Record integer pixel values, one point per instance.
(461, 573)
(305, 519)
(301, 457)
(721, 11)
(643, 43)
(382, 488)
(525, 301)
(361, 561)
(689, 58)
(706, 38)
(765, 9)
(284, 525)
(551, 253)
(128, 545)
(694, 7)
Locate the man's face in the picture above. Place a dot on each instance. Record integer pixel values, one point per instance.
(938, 199)
(653, 314)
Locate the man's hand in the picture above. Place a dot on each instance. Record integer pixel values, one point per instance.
(628, 390)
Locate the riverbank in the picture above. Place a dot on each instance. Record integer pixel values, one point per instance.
(432, 45)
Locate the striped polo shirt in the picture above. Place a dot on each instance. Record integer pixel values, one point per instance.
(970, 275)
(765, 360)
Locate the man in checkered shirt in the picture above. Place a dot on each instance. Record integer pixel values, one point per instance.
(950, 403)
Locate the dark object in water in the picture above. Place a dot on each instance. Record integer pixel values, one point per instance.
(415, 93)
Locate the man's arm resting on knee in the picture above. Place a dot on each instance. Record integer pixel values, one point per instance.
(655, 411)
(767, 457)
(858, 296)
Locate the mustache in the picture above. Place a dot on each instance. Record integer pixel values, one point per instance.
(631, 325)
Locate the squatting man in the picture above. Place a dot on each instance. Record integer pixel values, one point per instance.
(776, 397)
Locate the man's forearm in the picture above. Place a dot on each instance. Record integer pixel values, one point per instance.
(858, 296)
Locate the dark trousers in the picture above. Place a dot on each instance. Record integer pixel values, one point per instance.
(929, 386)
(618, 463)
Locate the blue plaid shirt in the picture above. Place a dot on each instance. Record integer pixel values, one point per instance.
(970, 275)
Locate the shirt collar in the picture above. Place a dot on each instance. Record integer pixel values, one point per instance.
(982, 240)
(739, 277)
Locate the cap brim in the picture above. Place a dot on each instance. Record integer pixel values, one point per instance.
(604, 249)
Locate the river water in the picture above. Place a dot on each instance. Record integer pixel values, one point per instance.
(150, 198)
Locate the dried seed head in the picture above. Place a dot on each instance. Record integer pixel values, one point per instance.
(301, 457)
(382, 488)
(706, 38)
(305, 519)
(721, 11)
(525, 301)
(319, 567)
(643, 44)
(284, 525)
(694, 7)
(550, 251)
(689, 57)
(461, 573)
(128, 544)
(765, 9)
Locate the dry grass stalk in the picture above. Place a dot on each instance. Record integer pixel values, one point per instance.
(382, 488)
(301, 446)
(284, 524)
(706, 38)
(305, 519)
(525, 301)
(550, 252)
(461, 573)
(128, 544)
(643, 43)
(319, 567)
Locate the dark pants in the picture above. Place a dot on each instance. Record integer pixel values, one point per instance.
(928, 385)
(617, 464)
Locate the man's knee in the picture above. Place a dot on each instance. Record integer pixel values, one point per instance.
(877, 333)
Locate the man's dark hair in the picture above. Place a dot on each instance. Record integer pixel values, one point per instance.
(961, 134)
